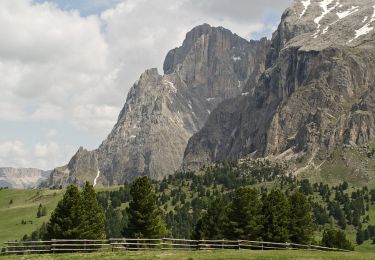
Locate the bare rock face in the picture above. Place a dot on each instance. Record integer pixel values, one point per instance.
(162, 112)
(22, 178)
(315, 95)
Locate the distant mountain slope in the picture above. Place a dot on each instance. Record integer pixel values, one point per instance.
(163, 111)
(315, 102)
(22, 178)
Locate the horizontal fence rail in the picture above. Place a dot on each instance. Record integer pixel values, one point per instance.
(118, 244)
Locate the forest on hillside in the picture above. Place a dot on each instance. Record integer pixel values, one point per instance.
(254, 200)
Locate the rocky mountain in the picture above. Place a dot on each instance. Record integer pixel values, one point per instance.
(22, 178)
(162, 112)
(314, 103)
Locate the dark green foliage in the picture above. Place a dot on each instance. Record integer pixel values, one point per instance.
(336, 239)
(306, 187)
(276, 216)
(39, 212)
(115, 220)
(186, 197)
(92, 224)
(38, 234)
(360, 237)
(77, 215)
(300, 225)
(66, 218)
(210, 226)
(42, 211)
(320, 214)
(336, 211)
(245, 215)
(144, 216)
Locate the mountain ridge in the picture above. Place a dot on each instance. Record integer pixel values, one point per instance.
(308, 97)
(163, 111)
(22, 178)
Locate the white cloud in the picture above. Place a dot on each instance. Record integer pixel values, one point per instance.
(56, 65)
(51, 133)
(51, 62)
(14, 153)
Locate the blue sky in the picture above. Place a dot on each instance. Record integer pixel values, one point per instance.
(85, 7)
(67, 65)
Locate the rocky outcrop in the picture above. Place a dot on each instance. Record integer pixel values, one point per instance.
(315, 94)
(162, 112)
(22, 178)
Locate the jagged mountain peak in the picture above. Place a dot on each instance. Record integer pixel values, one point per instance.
(210, 38)
(307, 103)
(163, 111)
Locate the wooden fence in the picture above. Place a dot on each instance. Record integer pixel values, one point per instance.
(117, 244)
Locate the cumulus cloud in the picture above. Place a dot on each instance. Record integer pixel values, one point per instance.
(51, 61)
(73, 61)
(41, 155)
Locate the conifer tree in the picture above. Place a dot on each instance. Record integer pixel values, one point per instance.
(300, 225)
(66, 218)
(92, 225)
(39, 212)
(210, 226)
(276, 216)
(143, 213)
(245, 215)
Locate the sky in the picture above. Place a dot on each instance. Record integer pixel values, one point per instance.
(66, 65)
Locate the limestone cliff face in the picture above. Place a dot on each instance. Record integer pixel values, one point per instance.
(315, 95)
(162, 112)
(22, 178)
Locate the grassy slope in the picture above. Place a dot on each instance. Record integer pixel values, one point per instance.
(349, 164)
(218, 254)
(24, 207)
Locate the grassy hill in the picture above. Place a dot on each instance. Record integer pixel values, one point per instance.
(23, 207)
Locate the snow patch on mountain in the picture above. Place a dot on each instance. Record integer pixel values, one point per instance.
(306, 5)
(324, 5)
(364, 29)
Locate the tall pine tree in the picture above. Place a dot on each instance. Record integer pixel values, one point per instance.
(210, 226)
(245, 215)
(92, 225)
(67, 217)
(301, 221)
(276, 216)
(145, 219)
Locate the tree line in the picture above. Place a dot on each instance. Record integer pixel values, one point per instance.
(183, 206)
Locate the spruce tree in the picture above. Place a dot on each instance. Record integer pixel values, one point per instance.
(39, 212)
(144, 215)
(210, 226)
(66, 218)
(276, 216)
(92, 225)
(300, 225)
(245, 215)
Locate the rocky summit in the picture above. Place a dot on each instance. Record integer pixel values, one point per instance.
(162, 112)
(306, 97)
(313, 104)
